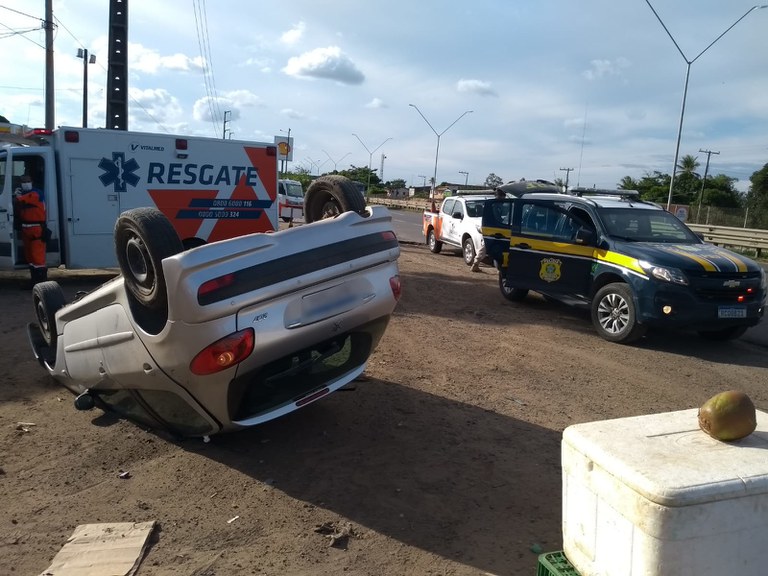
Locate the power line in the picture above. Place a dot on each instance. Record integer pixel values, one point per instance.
(212, 101)
(21, 13)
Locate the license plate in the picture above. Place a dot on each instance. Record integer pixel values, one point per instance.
(731, 312)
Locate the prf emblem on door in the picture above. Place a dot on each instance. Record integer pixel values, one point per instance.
(550, 269)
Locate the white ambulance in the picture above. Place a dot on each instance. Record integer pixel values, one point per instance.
(210, 189)
(290, 196)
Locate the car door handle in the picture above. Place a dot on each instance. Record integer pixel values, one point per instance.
(522, 245)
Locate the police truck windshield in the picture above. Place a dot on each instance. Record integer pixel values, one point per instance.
(642, 225)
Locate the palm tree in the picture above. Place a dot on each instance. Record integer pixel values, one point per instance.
(688, 165)
(628, 183)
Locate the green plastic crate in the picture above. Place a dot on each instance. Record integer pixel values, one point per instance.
(555, 564)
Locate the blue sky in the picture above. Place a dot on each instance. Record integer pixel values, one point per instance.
(595, 85)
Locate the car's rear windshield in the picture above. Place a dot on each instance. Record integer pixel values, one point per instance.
(475, 208)
(643, 225)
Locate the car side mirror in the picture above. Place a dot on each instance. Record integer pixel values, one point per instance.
(458, 215)
(585, 235)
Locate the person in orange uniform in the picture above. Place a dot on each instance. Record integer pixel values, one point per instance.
(29, 207)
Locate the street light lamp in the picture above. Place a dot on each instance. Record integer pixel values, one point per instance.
(687, 75)
(466, 177)
(437, 150)
(336, 162)
(83, 53)
(370, 159)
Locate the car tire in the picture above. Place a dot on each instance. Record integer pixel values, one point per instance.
(724, 333)
(614, 315)
(329, 196)
(48, 298)
(285, 218)
(510, 293)
(468, 249)
(434, 245)
(144, 237)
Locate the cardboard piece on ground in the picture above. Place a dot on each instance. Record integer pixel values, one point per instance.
(99, 549)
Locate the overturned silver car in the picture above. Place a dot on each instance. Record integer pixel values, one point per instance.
(232, 333)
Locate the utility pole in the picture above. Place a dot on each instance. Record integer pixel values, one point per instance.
(381, 169)
(50, 110)
(224, 132)
(703, 181)
(567, 174)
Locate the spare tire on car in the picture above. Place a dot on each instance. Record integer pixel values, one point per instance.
(329, 196)
(144, 237)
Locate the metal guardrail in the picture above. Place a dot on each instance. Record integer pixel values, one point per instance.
(738, 237)
(417, 204)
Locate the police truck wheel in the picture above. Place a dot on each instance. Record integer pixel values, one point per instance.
(723, 334)
(48, 299)
(329, 196)
(469, 251)
(434, 245)
(614, 315)
(510, 293)
(143, 238)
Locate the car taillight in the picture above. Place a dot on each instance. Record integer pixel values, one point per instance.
(389, 235)
(216, 284)
(397, 288)
(223, 353)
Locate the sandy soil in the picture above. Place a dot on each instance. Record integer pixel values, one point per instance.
(446, 461)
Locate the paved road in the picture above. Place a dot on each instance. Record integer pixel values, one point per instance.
(407, 225)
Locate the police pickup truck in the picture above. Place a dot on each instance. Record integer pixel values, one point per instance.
(457, 223)
(633, 264)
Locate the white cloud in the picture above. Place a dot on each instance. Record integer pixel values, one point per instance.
(600, 68)
(293, 35)
(290, 113)
(160, 104)
(476, 86)
(206, 109)
(150, 61)
(376, 103)
(326, 63)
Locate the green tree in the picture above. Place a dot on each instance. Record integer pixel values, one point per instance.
(361, 174)
(4, 119)
(628, 183)
(492, 181)
(397, 183)
(688, 165)
(757, 198)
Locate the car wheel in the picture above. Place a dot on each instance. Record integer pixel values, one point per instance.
(48, 299)
(329, 196)
(614, 315)
(434, 245)
(469, 251)
(144, 237)
(510, 293)
(723, 334)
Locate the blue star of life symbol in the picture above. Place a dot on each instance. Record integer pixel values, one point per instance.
(119, 171)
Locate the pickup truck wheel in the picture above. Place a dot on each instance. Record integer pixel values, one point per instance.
(469, 251)
(329, 196)
(510, 293)
(434, 245)
(48, 299)
(723, 334)
(614, 315)
(144, 237)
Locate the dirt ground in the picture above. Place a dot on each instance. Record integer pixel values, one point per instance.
(446, 461)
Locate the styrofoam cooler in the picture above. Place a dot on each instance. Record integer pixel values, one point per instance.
(654, 495)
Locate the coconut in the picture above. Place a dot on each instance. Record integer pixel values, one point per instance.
(728, 416)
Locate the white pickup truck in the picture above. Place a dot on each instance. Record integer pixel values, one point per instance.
(458, 223)
(232, 333)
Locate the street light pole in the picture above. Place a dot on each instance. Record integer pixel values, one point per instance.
(83, 53)
(370, 159)
(687, 75)
(437, 149)
(466, 177)
(336, 162)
